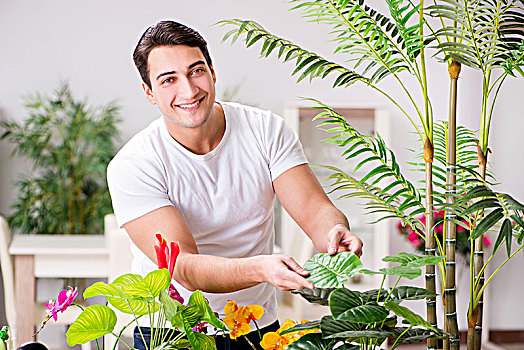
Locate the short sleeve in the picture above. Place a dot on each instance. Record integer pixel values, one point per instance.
(136, 188)
(284, 150)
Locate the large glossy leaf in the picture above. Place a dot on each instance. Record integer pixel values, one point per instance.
(408, 315)
(349, 306)
(316, 296)
(411, 293)
(311, 341)
(187, 315)
(133, 306)
(150, 286)
(128, 278)
(198, 340)
(398, 294)
(402, 271)
(331, 271)
(197, 299)
(103, 289)
(345, 330)
(94, 322)
(302, 327)
(171, 306)
(415, 335)
(413, 260)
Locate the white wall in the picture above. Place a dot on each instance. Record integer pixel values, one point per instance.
(89, 44)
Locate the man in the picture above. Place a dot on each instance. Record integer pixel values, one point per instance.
(206, 174)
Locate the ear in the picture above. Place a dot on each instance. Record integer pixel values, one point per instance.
(213, 73)
(149, 94)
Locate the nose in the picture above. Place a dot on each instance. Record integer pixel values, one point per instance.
(187, 89)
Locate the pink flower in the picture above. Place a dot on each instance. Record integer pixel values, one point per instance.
(166, 255)
(174, 294)
(412, 236)
(486, 241)
(64, 300)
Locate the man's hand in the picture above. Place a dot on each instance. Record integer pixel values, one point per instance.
(284, 272)
(341, 240)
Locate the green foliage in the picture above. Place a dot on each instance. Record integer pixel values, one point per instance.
(363, 320)
(139, 296)
(94, 322)
(327, 271)
(499, 209)
(482, 34)
(70, 145)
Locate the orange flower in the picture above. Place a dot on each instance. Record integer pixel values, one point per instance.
(238, 318)
(275, 341)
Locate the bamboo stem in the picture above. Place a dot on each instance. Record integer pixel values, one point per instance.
(431, 309)
(453, 342)
(479, 273)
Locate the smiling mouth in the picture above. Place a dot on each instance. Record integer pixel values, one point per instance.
(191, 106)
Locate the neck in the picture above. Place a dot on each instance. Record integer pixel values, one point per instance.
(203, 139)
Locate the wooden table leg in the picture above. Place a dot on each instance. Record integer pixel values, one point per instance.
(25, 298)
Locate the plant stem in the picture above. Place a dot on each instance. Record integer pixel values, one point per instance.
(451, 228)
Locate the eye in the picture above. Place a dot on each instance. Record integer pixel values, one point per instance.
(167, 80)
(198, 71)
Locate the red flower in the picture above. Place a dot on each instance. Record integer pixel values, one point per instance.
(166, 255)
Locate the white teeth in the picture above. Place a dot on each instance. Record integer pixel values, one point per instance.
(189, 105)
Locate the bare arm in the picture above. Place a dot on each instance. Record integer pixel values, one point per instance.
(212, 273)
(306, 202)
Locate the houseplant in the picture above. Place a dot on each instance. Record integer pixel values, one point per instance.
(69, 144)
(486, 35)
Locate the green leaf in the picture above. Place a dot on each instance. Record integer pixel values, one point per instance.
(150, 286)
(171, 306)
(103, 289)
(414, 260)
(94, 322)
(487, 223)
(313, 341)
(331, 271)
(402, 271)
(411, 293)
(133, 306)
(197, 299)
(190, 314)
(127, 279)
(408, 315)
(198, 340)
(415, 335)
(316, 296)
(349, 305)
(302, 327)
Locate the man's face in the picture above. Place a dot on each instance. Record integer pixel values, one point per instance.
(182, 85)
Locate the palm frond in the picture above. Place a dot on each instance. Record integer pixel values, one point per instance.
(481, 32)
(500, 211)
(387, 190)
(307, 63)
(387, 46)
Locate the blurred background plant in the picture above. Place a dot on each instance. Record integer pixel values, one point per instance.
(69, 144)
(416, 240)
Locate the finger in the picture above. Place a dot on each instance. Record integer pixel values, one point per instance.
(334, 237)
(294, 266)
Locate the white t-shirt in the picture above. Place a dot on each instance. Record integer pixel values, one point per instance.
(226, 196)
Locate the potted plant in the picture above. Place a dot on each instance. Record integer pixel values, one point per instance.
(69, 144)
(484, 35)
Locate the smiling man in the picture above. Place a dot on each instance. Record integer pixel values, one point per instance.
(206, 174)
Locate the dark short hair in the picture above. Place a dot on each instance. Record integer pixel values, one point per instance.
(165, 33)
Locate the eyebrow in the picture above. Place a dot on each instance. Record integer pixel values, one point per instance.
(188, 67)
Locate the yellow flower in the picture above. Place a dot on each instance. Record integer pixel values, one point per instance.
(238, 318)
(275, 341)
